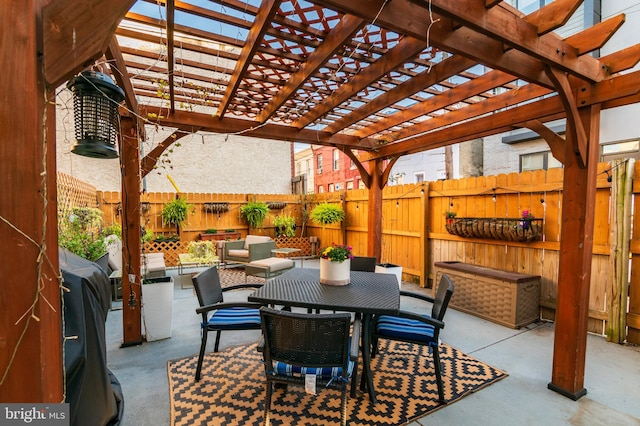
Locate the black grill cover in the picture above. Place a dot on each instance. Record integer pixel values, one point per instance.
(93, 392)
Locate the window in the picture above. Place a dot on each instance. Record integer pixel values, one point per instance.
(418, 177)
(349, 185)
(307, 167)
(538, 161)
(621, 150)
(319, 164)
(320, 189)
(361, 184)
(298, 168)
(336, 159)
(330, 187)
(352, 165)
(528, 6)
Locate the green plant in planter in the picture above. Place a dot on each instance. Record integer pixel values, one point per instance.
(285, 225)
(146, 235)
(115, 229)
(326, 214)
(163, 238)
(255, 212)
(175, 212)
(82, 234)
(211, 231)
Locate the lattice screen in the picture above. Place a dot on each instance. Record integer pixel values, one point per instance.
(73, 192)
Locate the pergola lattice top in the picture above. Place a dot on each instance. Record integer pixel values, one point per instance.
(390, 78)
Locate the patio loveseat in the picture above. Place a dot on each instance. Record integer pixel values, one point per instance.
(253, 247)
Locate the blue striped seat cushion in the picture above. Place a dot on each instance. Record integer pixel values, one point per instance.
(333, 373)
(404, 329)
(234, 319)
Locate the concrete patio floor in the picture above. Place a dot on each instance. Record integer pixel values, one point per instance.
(612, 376)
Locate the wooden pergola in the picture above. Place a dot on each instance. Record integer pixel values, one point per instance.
(377, 79)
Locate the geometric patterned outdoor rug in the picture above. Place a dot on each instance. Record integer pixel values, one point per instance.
(231, 390)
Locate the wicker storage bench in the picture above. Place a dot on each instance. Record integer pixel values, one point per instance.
(506, 298)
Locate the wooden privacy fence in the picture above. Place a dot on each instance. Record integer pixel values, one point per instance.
(414, 231)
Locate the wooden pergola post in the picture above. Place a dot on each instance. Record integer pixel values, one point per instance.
(374, 222)
(131, 291)
(576, 244)
(31, 368)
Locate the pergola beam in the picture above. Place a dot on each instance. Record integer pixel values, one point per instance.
(556, 142)
(75, 35)
(337, 38)
(409, 18)
(425, 79)
(553, 15)
(260, 25)
(596, 36)
(403, 51)
(464, 91)
(505, 26)
(254, 129)
(498, 102)
(151, 159)
(170, 53)
(574, 125)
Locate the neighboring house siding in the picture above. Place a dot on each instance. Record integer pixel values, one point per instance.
(305, 160)
(330, 178)
(212, 163)
(431, 163)
(622, 123)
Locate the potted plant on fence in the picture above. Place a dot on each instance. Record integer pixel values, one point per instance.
(326, 214)
(255, 212)
(175, 212)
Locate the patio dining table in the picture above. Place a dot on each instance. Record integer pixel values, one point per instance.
(367, 294)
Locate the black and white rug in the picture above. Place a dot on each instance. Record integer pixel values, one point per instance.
(231, 390)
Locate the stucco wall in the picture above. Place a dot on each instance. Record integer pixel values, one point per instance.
(208, 162)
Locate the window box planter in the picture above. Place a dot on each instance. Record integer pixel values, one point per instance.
(505, 229)
(220, 236)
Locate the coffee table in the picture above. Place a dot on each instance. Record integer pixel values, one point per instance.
(287, 251)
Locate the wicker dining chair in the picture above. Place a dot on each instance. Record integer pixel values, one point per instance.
(417, 328)
(218, 315)
(297, 345)
(363, 263)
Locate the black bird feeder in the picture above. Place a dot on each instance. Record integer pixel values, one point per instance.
(95, 112)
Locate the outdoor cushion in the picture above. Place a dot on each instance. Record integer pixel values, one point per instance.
(238, 253)
(274, 263)
(234, 319)
(334, 373)
(114, 247)
(153, 265)
(404, 329)
(252, 239)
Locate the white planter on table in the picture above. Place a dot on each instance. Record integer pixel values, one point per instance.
(335, 273)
